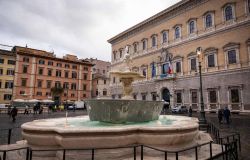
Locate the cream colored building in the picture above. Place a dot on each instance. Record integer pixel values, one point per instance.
(163, 48)
(7, 70)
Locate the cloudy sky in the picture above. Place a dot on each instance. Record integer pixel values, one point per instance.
(81, 27)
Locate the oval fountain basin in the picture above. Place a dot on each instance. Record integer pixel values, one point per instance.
(80, 132)
(122, 111)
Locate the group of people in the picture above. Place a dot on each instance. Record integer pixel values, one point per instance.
(224, 113)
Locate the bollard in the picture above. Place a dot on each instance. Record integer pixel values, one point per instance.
(64, 154)
(134, 152)
(166, 155)
(141, 152)
(93, 154)
(196, 153)
(9, 135)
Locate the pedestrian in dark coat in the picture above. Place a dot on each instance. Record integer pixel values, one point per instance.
(13, 114)
(227, 114)
(220, 115)
(190, 112)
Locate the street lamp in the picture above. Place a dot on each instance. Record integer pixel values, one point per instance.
(202, 118)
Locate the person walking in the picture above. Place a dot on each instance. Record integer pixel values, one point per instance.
(26, 111)
(220, 116)
(13, 114)
(227, 114)
(190, 112)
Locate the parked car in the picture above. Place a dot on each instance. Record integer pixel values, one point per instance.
(179, 109)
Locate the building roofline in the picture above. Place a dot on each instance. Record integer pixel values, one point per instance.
(150, 19)
(6, 52)
(22, 52)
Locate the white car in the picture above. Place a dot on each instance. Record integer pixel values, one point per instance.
(179, 109)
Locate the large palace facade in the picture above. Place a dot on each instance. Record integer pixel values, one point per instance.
(163, 49)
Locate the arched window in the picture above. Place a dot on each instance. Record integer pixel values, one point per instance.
(144, 44)
(228, 13)
(209, 21)
(191, 27)
(164, 37)
(153, 41)
(177, 33)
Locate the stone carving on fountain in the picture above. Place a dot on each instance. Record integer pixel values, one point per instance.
(126, 109)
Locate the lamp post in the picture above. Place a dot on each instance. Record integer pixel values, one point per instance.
(202, 118)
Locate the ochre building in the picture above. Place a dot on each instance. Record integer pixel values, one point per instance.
(7, 70)
(37, 72)
(163, 49)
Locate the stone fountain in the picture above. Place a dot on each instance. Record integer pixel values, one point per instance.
(115, 123)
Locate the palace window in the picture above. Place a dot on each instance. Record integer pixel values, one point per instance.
(194, 96)
(113, 79)
(58, 84)
(85, 76)
(72, 95)
(67, 66)
(178, 97)
(0, 84)
(74, 66)
(248, 6)
(41, 61)
(135, 47)
(210, 60)
(144, 72)
(193, 64)
(23, 82)
(178, 67)
(50, 63)
(9, 84)
(164, 37)
(22, 92)
(7, 97)
(12, 62)
(235, 97)
(10, 72)
(39, 93)
(208, 21)
(191, 27)
(40, 71)
(177, 32)
(104, 92)
(153, 70)
(39, 83)
(144, 44)
(25, 68)
(84, 87)
(66, 74)
(96, 92)
(165, 68)
(65, 85)
(120, 51)
(59, 64)
(154, 41)
(228, 13)
(232, 57)
(104, 82)
(26, 59)
(49, 72)
(73, 86)
(85, 68)
(1, 71)
(144, 96)
(212, 96)
(114, 55)
(74, 75)
(1, 61)
(58, 73)
(48, 85)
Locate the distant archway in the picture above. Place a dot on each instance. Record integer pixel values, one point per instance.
(166, 95)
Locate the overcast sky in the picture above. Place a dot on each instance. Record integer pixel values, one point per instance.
(81, 27)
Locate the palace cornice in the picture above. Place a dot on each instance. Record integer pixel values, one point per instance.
(186, 41)
(164, 15)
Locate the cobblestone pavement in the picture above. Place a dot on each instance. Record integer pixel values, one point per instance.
(240, 123)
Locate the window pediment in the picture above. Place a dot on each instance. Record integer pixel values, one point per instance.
(178, 57)
(191, 54)
(209, 12)
(228, 4)
(144, 39)
(153, 35)
(211, 50)
(165, 30)
(144, 66)
(177, 25)
(231, 45)
(191, 19)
